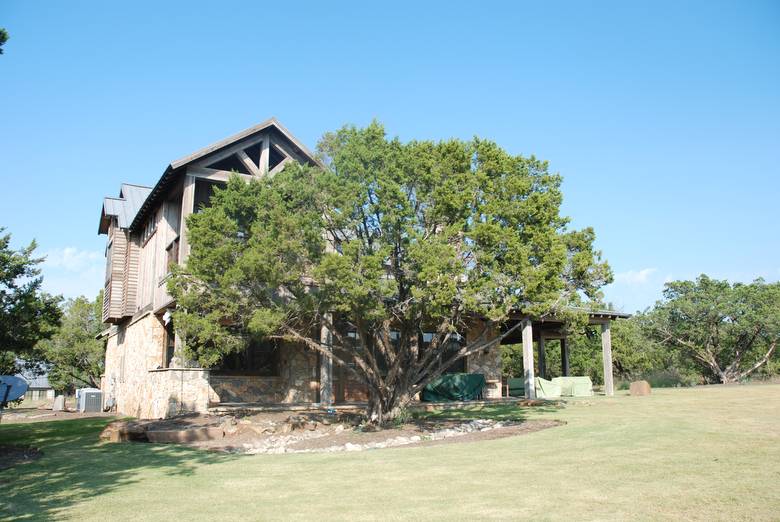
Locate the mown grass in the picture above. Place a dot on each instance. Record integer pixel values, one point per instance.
(709, 453)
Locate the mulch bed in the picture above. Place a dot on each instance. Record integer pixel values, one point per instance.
(11, 455)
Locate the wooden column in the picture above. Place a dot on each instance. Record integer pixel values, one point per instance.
(265, 154)
(326, 365)
(528, 360)
(606, 351)
(187, 207)
(564, 357)
(542, 357)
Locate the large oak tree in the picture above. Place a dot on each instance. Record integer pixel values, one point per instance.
(729, 330)
(380, 243)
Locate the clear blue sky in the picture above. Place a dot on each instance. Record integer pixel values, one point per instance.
(663, 118)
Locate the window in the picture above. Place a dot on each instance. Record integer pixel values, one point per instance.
(172, 253)
(203, 192)
(149, 229)
(109, 249)
(258, 358)
(457, 342)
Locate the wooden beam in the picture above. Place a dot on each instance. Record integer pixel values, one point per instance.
(282, 147)
(248, 163)
(187, 208)
(606, 352)
(326, 365)
(528, 360)
(265, 154)
(280, 166)
(214, 174)
(564, 357)
(229, 151)
(542, 358)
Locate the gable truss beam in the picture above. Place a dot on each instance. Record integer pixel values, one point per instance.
(214, 174)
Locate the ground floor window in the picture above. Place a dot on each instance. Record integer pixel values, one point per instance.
(258, 358)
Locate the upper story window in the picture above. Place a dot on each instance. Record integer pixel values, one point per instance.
(109, 249)
(149, 229)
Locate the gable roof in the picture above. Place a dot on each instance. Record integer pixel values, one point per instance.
(125, 207)
(176, 167)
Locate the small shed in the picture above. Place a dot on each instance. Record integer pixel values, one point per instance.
(39, 388)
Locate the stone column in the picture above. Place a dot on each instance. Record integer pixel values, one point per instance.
(326, 365)
(528, 360)
(542, 357)
(564, 357)
(606, 352)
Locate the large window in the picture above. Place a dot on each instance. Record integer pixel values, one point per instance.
(258, 358)
(456, 343)
(204, 189)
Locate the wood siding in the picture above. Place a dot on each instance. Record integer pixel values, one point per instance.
(113, 300)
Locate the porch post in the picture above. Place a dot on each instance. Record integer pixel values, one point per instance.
(528, 360)
(564, 357)
(606, 352)
(542, 357)
(326, 364)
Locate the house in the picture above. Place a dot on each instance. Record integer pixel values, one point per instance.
(38, 387)
(145, 375)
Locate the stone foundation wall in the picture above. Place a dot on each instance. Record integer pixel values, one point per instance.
(141, 388)
(133, 377)
(296, 383)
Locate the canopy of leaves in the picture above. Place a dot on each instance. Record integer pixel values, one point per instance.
(27, 315)
(3, 38)
(409, 237)
(74, 354)
(729, 330)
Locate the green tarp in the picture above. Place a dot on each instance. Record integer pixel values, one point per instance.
(547, 389)
(516, 386)
(455, 387)
(575, 386)
(558, 387)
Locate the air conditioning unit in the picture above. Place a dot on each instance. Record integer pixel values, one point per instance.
(89, 400)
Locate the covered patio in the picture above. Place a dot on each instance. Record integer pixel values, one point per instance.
(539, 331)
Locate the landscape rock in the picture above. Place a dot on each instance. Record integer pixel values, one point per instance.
(124, 431)
(640, 388)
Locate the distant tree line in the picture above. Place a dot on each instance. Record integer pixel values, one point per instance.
(42, 333)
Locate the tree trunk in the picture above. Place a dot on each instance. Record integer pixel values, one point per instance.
(385, 409)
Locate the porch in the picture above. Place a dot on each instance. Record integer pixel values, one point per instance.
(310, 381)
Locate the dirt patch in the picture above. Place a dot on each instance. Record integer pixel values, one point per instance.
(11, 455)
(24, 415)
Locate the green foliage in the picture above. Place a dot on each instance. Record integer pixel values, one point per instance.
(74, 354)
(411, 237)
(27, 315)
(3, 38)
(728, 330)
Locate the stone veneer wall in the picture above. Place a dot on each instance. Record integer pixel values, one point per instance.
(140, 388)
(296, 383)
(134, 379)
(488, 363)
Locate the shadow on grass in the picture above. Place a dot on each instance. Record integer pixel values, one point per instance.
(75, 466)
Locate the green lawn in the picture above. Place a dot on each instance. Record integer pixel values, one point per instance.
(705, 453)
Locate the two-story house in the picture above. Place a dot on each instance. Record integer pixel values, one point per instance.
(145, 375)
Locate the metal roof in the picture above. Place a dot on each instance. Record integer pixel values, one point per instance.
(125, 207)
(36, 381)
